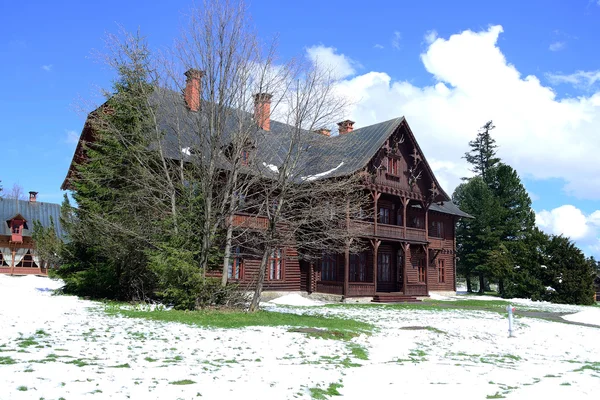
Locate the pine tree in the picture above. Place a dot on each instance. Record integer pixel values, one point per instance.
(482, 155)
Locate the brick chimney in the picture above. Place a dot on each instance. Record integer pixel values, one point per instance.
(33, 197)
(191, 93)
(324, 131)
(262, 110)
(345, 126)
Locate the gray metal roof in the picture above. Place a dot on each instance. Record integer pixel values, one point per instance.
(322, 156)
(31, 211)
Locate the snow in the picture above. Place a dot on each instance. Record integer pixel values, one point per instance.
(295, 299)
(322, 174)
(463, 354)
(272, 167)
(587, 316)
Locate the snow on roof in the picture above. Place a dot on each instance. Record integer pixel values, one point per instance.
(322, 174)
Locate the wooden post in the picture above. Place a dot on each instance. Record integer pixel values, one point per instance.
(426, 247)
(404, 205)
(346, 270)
(375, 243)
(12, 263)
(376, 196)
(406, 247)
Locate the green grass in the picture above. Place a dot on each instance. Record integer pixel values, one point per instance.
(358, 351)
(240, 319)
(7, 361)
(183, 382)
(22, 388)
(26, 342)
(317, 393)
(120, 366)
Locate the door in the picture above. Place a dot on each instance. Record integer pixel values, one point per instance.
(386, 272)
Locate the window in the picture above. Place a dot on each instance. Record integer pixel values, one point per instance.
(417, 222)
(384, 215)
(384, 271)
(358, 267)
(436, 229)
(245, 157)
(16, 228)
(27, 261)
(393, 166)
(234, 269)
(422, 270)
(2, 263)
(441, 271)
(276, 265)
(399, 218)
(328, 267)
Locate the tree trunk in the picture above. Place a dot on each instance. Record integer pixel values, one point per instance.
(481, 284)
(501, 287)
(261, 280)
(469, 284)
(227, 255)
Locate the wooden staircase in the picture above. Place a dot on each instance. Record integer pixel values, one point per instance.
(394, 298)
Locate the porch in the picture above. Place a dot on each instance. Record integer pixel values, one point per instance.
(386, 268)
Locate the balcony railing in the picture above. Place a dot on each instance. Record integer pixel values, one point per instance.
(364, 228)
(250, 221)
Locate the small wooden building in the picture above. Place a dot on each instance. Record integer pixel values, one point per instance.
(18, 254)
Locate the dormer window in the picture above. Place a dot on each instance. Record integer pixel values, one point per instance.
(16, 225)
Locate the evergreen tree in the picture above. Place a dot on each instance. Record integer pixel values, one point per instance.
(482, 155)
(476, 237)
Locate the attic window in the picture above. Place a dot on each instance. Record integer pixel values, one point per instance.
(245, 157)
(393, 166)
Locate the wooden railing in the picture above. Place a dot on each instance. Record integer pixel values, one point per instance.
(416, 289)
(330, 287)
(250, 221)
(361, 289)
(365, 228)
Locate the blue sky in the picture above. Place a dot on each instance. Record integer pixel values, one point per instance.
(425, 60)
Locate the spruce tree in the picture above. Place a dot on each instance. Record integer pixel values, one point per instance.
(482, 155)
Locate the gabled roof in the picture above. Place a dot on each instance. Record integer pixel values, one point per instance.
(30, 211)
(323, 156)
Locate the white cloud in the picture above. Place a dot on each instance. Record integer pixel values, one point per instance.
(541, 136)
(568, 220)
(557, 46)
(378, 46)
(72, 137)
(396, 40)
(47, 68)
(430, 36)
(577, 79)
(341, 65)
(565, 220)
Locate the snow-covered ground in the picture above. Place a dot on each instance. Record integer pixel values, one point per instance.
(60, 346)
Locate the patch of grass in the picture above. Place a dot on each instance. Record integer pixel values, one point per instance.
(591, 366)
(26, 342)
(150, 359)
(78, 362)
(358, 351)
(22, 388)
(565, 384)
(41, 332)
(28, 370)
(495, 396)
(7, 361)
(317, 393)
(126, 365)
(240, 319)
(326, 333)
(183, 382)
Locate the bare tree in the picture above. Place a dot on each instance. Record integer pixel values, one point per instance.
(17, 192)
(305, 207)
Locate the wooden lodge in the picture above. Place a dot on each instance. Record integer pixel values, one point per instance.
(410, 243)
(18, 254)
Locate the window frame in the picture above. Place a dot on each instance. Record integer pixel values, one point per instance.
(329, 264)
(358, 267)
(393, 166)
(384, 211)
(441, 271)
(276, 265)
(422, 273)
(236, 264)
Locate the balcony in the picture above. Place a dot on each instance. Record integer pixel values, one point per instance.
(250, 222)
(367, 229)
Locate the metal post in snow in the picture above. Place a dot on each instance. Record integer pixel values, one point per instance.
(510, 310)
